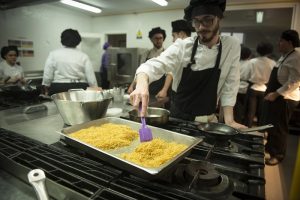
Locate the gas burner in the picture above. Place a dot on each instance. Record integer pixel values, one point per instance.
(201, 177)
(224, 145)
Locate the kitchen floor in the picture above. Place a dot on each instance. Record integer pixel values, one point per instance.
(279, 177)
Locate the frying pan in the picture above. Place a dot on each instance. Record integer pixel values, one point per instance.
(224, 131)
(20, 92)
(154, 116)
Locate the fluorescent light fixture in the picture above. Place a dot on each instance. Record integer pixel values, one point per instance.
(161, 2)
(82, 6)
(259, 16)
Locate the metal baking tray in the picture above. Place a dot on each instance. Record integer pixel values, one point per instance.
(112, 156)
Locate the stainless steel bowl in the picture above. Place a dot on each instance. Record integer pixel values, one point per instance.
(77, 107)
(155, 116)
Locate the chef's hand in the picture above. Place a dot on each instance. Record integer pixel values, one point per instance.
(161, 94)
(94, 88)
(14, 79)
(229, 120)
(272, 96)
(131, 87)
(236, 125)
(141, 93)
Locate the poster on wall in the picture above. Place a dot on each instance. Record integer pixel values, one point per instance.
(25, 47)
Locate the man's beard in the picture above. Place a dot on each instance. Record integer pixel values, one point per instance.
(208, 38)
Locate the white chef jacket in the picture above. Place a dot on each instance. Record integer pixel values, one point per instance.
(289, 76)
(10, 71)
(260, 70)
(178, 55)
(67, 65)
(245, 75)
(151, 53)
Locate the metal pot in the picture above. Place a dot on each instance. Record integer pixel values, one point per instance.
(77, 107)
(224, 131)
(154, 116)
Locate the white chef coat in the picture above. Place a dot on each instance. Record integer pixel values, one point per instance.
(260, 70)
(151, 53)
(289, 76)
(245, 75)
(67, 65)
(178, 55)
(10, 71)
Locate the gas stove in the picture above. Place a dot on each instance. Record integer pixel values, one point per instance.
(9, 102)
(231, 169)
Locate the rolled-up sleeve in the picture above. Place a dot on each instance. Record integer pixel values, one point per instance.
(230, 88)
(293, 77)
(48, 71)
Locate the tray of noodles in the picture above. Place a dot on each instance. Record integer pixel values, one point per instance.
(116, 141)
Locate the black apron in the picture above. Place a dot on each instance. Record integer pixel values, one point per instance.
(278, 113)
(65, 87)
(272, 86)
(197, 91)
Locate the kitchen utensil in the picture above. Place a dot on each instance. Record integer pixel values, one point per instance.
(144, 132)
(20, 92)
(77, 107)
(37, 179)
(154, 116)
(227, 132)
(113, 156)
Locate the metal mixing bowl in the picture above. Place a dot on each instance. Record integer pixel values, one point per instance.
(77, 107)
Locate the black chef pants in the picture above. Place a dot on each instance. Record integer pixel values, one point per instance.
(278, 113)
(64, 87)
(254, 106)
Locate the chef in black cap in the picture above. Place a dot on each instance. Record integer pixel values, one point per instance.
(157, 37)
(68, 67)
(282, 96)
(181, 29)
(205, 68)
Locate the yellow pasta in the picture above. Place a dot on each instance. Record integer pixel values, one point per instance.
(107, 136)
(154, 153)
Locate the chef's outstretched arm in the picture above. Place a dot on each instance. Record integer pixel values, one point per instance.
(141, 92)
(229, 119)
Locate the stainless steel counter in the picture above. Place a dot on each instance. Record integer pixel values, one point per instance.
(43, 124)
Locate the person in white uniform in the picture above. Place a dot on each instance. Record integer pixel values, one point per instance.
(157, 37)
(260, 70)
(205, 68)
(282, 96)
(68, 67)
(240, 105)
(10, 71)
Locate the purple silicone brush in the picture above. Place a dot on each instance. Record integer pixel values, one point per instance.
(145, 132)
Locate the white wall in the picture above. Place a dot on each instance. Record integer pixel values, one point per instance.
(44, 23)
(41, 24)
(130, 24)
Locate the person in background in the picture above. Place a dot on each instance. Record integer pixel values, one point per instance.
(10, 71)
(181, 29)
(239, 108)
(104, 67)
(205, 67)
(68, 67)
(282, 96)
(157, 37)
(260, 70)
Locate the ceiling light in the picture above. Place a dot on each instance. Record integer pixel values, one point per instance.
(259, 16)
(82, 6)
(161, 2)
